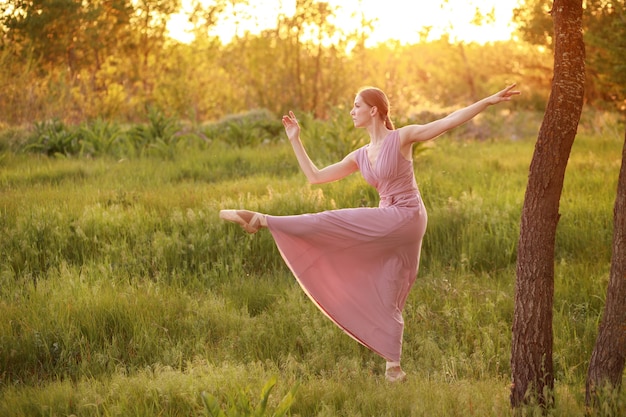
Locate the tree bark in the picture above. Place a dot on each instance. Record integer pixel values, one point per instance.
(531, 355)
(607, 360)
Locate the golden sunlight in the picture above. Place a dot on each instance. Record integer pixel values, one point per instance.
(393, 19)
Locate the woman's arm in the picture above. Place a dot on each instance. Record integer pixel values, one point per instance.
(420, 133)
(313, 174)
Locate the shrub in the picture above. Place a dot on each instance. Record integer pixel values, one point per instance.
(246, 129)
(54, 138)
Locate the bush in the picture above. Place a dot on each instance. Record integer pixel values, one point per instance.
(54, 138)
(246, 129)
(161, 136)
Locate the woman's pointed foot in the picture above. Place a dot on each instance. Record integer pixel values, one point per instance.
(249, 220)
(395, 374)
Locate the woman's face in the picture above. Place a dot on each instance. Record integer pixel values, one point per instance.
(361, 113)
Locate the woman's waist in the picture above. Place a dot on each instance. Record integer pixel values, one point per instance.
(401, 199)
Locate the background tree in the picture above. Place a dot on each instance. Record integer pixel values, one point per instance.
(64, 43)
(606, 367)
(314, 55)
(47, 28)
(606, 39)
(607, 360)
(601, 22)
(146, 46)
(531, 355)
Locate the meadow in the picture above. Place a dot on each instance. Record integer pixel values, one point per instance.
(123, 294)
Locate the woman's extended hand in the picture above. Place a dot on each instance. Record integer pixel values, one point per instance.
(292, 128)
(504, 95)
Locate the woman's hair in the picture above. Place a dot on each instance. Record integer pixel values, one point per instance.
(375, 97)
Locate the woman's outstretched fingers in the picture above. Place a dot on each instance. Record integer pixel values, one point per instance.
(505, 95)
(509, 92)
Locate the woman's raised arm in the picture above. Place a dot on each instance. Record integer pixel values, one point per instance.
(313, 174)
(420, 133)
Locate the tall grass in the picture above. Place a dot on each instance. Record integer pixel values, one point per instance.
(122, 293)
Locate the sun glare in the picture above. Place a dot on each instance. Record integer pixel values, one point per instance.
(396, 20)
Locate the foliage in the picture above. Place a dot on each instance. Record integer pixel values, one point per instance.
(241, 406)
(251, 128)
(100, 137)
(161, 136)
(54, 138)
(117, 61)
(165, 136)
(608, 43)
(12, 138)
(134, 65)
(604, 30)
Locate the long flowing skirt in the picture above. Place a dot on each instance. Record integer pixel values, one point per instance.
(357, 265)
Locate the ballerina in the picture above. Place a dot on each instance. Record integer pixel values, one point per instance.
(358, 265)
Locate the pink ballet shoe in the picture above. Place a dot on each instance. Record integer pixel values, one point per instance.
(395, 375)
(251, 226)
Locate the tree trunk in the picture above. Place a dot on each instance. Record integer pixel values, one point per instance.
(607, 360)
(531, 355)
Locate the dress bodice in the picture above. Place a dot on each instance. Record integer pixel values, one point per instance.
(391, 174)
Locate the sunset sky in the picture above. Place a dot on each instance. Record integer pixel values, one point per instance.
(394, 19)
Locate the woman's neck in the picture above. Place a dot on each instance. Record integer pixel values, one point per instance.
(378, 132)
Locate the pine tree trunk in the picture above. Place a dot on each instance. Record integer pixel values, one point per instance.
(531, 355)
(607, 360)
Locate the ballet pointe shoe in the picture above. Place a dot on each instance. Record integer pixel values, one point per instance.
(395, 374)
(252, 225)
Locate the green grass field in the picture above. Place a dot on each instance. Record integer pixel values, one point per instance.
(123, 294)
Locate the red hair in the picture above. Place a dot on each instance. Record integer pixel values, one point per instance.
(375, 97)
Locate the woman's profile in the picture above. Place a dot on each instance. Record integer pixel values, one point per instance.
(358, 264)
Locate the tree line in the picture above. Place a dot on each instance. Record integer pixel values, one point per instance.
(113, 59)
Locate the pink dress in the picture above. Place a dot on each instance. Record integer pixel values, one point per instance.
(358, 264)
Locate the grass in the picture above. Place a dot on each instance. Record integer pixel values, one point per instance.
(123, 294)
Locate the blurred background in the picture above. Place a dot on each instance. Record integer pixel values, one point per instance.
(201, 60)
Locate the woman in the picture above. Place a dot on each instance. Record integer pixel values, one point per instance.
(358, 264)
